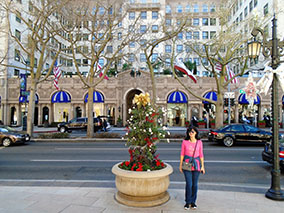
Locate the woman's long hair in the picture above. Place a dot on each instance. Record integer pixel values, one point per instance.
(189, 130)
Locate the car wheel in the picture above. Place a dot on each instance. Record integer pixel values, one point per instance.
(7, 142)
(228, 141)
(62, 129)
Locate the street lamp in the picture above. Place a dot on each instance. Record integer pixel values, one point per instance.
(272, 48)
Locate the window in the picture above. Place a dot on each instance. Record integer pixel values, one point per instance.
(155, 28)
(205, 8)
(30, 6)
(18, 34)
(250, 5)
(120, 24)
(246, 11)
(196, 22)
(154, 14)
(131, 15)
(109, 49)
(143, 1)
(18, 19)
(143, 42)
(144, 15)
(187, 50)
(142, 57)
(179, 9)
(195, 35)
(205, 35)
(168, 62)
(131, 57)
(78, 61)
(119, 36)
(131, 1)
(16, 72)
(168, 9)
(265, 9)
(212, 21)
(85, 37)
(132, 44)
(189, 35)
(142, 28)
(168, 48)
(179, 48)
(101, 62)
(17, 55)
(212, 8)
(196, 8)
(255, 3)
(101, 10)
(85, 49)
(35, 64)
(154, 57)
(196, 61)
(168, 22)
(205, 21)
(188, 8)
(212, 34)
(180, 35)
(69, 63)
(241, 17)
(205, 61)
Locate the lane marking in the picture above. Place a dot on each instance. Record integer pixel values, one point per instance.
(169, 161)
(113, 181)
(163, 149)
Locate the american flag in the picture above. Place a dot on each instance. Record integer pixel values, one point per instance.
(230, 73)
(101, 73)
(57, 75)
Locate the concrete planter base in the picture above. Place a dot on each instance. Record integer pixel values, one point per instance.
(142, 189)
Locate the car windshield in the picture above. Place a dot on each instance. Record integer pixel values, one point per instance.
(73, 120)
(7, 129)
(250, 128)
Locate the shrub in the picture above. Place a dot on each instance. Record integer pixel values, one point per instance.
(107, 135)
(54, 135)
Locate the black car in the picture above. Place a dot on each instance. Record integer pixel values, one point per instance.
(233, 133)
(9, 136)
(79, 124)
(267, 154)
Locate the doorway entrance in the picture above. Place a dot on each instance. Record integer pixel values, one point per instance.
(129, 100)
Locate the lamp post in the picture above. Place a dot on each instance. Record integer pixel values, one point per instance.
(272, 48)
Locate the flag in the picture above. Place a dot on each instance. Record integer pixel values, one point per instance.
(101, 73)
(181, 67)
(231, 74)
(219, 66)
(57, 75)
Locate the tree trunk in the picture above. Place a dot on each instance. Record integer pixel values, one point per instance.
(219, 111)
(154, 99)
(31, 109)
(90, 128)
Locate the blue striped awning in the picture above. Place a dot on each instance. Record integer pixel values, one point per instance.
(243, 99)
(283, 99)
(177, 97)
(22, 99)
(97, 97)
(61, 97)
(210, 95)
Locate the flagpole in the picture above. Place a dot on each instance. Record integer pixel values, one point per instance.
(229, 105)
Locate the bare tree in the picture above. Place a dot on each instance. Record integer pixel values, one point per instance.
(40, 22)
(226, 48)
(98, 33)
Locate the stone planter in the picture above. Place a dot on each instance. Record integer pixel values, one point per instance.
(261, 125)
(142, 189)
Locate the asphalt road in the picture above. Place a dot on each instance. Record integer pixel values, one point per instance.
(239, 168)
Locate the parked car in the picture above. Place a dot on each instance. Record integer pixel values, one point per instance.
(267, 154)
(9, 136)
(79, 124)
(233, 133)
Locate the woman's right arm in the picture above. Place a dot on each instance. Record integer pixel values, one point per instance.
(180, 163)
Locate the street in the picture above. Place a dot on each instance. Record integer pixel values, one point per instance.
(89, 164)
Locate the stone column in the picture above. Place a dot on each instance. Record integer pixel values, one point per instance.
(39, 114)
(51, 113)
(237, 113)
(19, 114)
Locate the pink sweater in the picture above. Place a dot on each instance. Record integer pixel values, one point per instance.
(187, 148)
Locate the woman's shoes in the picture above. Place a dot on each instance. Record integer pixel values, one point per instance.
(193, 206)
(186, 206)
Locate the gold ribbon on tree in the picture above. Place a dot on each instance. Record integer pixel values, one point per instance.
(265, 82)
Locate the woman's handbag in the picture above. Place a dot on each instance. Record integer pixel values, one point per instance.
(188, 165)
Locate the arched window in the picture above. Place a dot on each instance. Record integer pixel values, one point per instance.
(179, 9)
(188, 8)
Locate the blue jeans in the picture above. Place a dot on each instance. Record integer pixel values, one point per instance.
(191, 187)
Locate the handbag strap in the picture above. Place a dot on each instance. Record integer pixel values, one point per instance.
(194, 150)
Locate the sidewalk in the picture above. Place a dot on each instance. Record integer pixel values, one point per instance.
(17, 199)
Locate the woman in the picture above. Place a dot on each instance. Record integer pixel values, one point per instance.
(190, 143)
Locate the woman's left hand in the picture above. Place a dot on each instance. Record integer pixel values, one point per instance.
(202, 170)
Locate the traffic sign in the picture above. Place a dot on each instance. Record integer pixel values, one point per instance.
(229, 95)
